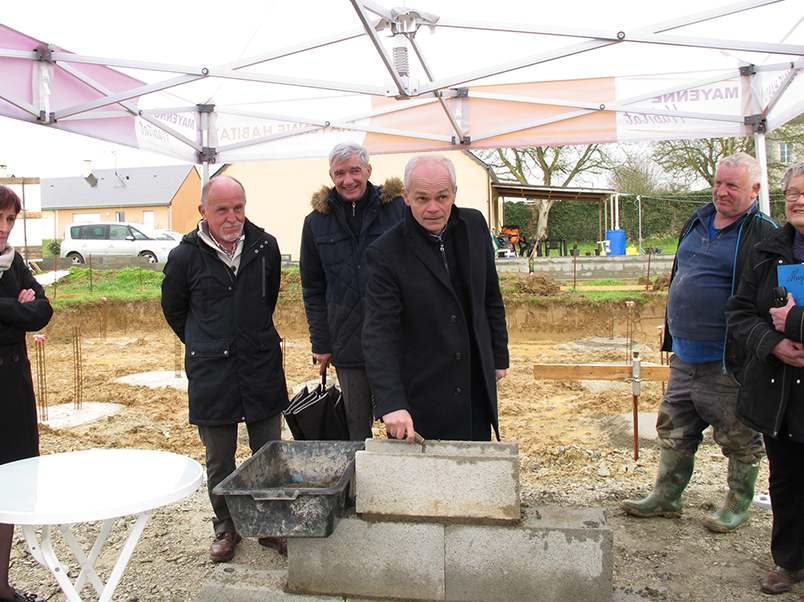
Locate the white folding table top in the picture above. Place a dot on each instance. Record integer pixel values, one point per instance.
(92, 485)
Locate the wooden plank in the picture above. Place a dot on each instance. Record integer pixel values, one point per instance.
(9, 181)
(608, 287)
(30, 215)
(597, 372)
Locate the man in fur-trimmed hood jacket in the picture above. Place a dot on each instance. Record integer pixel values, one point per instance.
(345, 220)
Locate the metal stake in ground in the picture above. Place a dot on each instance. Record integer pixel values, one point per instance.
(78, 372)
(41, 380)
(636, 380)
(629, 331)
(104, 314)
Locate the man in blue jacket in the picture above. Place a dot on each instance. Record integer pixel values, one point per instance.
(345, 220)
(219, 294)
(712, 251)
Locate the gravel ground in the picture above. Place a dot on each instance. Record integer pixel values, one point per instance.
(570, 456)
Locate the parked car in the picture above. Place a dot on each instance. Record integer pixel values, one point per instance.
(115, 239)
(172, 234)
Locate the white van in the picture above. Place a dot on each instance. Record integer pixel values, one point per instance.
(110, 239)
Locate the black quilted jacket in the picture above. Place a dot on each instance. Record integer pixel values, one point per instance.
(333, 269)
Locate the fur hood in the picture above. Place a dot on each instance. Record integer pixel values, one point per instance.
(391, 189)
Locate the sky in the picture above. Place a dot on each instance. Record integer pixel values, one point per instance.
(209, 33)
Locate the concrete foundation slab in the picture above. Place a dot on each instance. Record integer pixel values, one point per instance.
(231, 583)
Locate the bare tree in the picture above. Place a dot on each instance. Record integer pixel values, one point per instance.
(637, 173)
(549, 165)
(692, 160)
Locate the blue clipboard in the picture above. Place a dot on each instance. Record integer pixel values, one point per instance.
(791, 277)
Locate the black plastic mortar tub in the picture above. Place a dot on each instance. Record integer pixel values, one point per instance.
(291, 488)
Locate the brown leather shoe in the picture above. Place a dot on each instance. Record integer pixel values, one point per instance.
(280, 544)
(223, 548)
(780, 580)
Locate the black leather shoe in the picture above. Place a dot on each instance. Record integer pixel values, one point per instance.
(280, 544)
(223, 548)
(20, 597)
(780, 580)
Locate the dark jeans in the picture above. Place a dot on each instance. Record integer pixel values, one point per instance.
(785, 458)
(221, 444)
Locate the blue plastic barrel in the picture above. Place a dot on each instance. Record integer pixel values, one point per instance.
(616, 240)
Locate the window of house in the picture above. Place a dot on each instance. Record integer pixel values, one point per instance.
(119, 216)
(785, 153)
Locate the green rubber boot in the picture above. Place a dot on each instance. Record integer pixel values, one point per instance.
(675, 470)
(734, 513)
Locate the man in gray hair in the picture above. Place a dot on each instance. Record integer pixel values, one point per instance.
(701, 391)
(219, 293)
(435, 336)
(345, 220)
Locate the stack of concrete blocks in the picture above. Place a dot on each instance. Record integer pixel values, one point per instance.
(443, 521)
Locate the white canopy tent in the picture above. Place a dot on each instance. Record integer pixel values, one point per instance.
(446, 75)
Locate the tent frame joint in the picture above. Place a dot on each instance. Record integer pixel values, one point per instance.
(466, 140)
(45, 117)
(748, 70)
(208, 154)
(206, 108)
(758, 121)
(44, 53)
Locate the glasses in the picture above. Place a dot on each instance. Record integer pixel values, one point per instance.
(791, 196)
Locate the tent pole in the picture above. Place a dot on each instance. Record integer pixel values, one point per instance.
(762, 158)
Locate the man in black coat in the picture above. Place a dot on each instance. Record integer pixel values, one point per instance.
(434, 336)
(219, 293)
(345, 220)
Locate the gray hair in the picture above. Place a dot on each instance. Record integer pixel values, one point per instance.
(344, 151)
(205, 190)
(429, 158)
(740, 159)
(792, 172)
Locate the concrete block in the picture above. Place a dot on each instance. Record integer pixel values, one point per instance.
(556, 555)
(455, 480)
(443, 448)
(363, 558)
(237, 583)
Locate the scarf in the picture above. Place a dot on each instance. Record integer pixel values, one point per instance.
(6, 257)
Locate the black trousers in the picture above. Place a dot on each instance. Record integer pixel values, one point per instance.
(785, 459)
(221, 445)
(357, 397)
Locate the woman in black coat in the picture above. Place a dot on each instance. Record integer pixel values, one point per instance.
(772, 395)
(23, 307)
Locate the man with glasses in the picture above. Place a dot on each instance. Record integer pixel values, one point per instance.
(701, 391)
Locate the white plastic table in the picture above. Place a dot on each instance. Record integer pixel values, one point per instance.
(85, 486)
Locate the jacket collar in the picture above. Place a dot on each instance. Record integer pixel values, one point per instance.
(421, 243)
(323, 198)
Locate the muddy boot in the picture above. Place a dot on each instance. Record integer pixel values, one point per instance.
(734, 513)
(675, 470)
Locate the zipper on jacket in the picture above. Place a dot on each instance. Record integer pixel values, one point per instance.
(353, 209)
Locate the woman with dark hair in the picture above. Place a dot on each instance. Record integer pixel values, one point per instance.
(23, 307)
(771, 325)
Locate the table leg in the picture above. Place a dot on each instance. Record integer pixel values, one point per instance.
(88, 563)
(42, 550)
(125, 555)
(44, 554)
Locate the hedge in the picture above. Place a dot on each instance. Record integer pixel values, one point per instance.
(662, 217)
